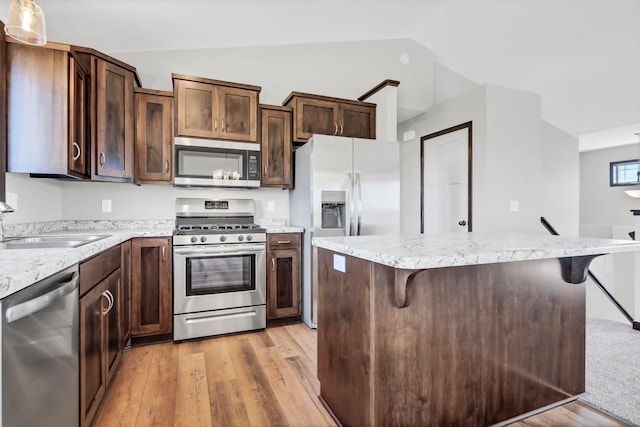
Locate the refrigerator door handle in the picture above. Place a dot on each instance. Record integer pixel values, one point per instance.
(358, 202)
(349, 231)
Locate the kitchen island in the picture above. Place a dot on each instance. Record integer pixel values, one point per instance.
(451, 329)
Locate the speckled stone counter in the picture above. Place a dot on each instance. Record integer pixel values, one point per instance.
(448, 250)
(271, 229)
(20, 268)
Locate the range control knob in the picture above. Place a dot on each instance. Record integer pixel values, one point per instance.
(249, 238)
(223, 238)
(194, 239)
(203, 239)
(240, 238)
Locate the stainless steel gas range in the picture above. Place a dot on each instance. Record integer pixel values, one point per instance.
(219, 259)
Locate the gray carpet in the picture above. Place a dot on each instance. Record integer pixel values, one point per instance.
(613, 369)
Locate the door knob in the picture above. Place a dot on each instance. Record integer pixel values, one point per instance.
(462, 223)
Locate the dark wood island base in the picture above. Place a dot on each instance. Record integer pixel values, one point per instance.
(474, 345)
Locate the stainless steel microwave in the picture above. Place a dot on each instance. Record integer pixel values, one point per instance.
(215, 163)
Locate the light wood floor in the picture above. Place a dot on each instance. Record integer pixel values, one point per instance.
(265, 378)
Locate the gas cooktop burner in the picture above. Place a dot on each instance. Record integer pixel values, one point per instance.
(216, 228)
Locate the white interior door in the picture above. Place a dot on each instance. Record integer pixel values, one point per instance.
(446, 183)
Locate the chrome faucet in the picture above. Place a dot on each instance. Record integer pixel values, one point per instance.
(4, 208)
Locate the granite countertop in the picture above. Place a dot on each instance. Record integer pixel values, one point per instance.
(283, 229)
(448, 250)
(20, 268)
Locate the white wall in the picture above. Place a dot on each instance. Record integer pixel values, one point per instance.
(507, 163)
(83, 200)
(344, 70)
(560, 182)
(39, 200)
(600, 203)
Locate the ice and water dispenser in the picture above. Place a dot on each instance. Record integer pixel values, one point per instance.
(333, 209)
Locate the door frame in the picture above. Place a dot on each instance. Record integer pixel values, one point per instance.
(423, 140)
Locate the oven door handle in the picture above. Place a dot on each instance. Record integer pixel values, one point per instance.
(220, 251)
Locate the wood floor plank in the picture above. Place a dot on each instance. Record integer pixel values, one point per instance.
(122, 404)
(300, 409)
(261, 403)
(306, 338)
(228, 408)
(157, 407)
(192, 397)
(285, 343)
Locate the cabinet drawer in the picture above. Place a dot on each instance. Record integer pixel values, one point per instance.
(97, 268)
(283, 241)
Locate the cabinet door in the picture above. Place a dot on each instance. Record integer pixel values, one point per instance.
(113, 284)
(314, 116)
(284, 284)
(114, 121)
(151, 311)
(196, 108)
(238, 111)
(154, 138)
(77, 151)
(91, 310)
(357, 121)
(275, 138)
(125, 306)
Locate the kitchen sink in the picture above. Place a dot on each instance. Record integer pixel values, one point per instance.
(46, 241)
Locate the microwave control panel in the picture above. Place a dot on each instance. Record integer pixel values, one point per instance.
(253, 166)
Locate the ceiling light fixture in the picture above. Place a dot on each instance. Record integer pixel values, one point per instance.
(25, 22)
(636, 191)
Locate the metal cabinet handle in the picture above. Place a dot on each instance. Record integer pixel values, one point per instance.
(335, 132)
(284, 242)
(109, 297)
(215, 125)
(103, 158)
(164, 258)
(341, 129)
(273, 264)
(265, 171)
(222, 121)
(76, 147)
(166, 166)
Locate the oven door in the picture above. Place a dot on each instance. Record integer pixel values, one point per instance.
(218, 277)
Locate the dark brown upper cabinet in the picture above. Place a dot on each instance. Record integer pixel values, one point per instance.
(46, 112)
(154, 137)
(208, 108)
(111, 118)
(330, 116)
(275, 139)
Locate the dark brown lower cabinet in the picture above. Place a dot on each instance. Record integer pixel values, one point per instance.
(125, 315)
(283, 276)
(151, 299)
(100, 342)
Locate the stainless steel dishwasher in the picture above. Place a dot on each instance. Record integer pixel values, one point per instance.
(40, 353)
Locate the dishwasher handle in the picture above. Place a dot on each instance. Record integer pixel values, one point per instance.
(34, 305)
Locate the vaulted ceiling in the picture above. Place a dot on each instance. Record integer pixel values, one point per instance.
(581, 56)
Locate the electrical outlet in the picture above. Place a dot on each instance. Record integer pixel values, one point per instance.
(106, 205)
(12, 200)
(271, 206)
(514, 206)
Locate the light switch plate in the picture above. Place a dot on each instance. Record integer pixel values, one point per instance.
(514, 206)
(271, 206)
(106, 205)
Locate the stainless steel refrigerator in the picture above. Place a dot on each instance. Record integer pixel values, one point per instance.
(343, 186)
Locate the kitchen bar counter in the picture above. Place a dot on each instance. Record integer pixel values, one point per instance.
(20, 268)
(456, 329)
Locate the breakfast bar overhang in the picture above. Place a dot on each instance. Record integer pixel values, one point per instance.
(451, 329)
